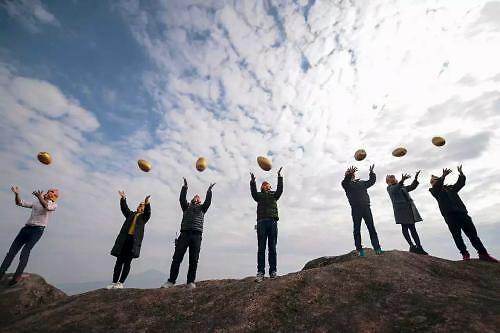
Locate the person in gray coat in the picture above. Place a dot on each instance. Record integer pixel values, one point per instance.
(405, 212)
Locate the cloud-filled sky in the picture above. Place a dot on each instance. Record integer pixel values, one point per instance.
(100, 84)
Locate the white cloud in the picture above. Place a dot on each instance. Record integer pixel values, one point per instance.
(31, 13)
(381, 75)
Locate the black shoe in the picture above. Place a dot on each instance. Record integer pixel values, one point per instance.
(413, 249)
(15, 280)
(420, 250)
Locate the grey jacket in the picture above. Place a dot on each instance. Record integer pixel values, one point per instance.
(356, 192)
(193, 216)
(405, 211)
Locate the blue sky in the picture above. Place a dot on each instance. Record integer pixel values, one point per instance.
(101, 84)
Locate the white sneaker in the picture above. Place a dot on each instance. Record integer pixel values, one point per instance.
(167, 284)
(259, 277)
(119, 285)
(191, 285)
(111, 286)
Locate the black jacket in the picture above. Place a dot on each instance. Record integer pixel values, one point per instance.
(267, 205)
(139, 229)
(447, 196)
(355, 190)
(193, 215)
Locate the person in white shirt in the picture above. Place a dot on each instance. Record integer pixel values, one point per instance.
(31, 233)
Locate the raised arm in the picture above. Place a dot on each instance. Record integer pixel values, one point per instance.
(460, 181)
(17, 198)
(208, 199)
(182, 197)
(372, 178)
(123, 204)
(414, 184)
(279, 188)
(253, 187)
(348, 176)
(43, 202)
(147, 209)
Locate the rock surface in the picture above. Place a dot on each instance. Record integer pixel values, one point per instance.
(394, 292)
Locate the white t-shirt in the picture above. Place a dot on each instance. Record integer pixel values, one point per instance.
(39, 214)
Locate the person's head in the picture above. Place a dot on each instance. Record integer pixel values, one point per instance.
(196, 200)
(52, 194)
(434, 180)
(140, 207)
(391, 179)
(353, 175)
(265, 187)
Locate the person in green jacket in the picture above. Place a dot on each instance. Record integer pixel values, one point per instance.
(267, 223)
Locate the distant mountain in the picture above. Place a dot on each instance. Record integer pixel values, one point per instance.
(396, 292)
(148, 279)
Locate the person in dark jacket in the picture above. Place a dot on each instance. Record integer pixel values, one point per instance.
(405, 212)
(129, 240)
(191, 235)
(267, 223)
(356, 192)
(456, 215)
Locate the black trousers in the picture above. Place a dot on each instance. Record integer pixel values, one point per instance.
(26, 239)
(463, 222)
(363, 213)
(267, 232)
(123, 261)
(187, 239)
(410, 228)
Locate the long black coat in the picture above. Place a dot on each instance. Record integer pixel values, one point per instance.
(405, 211)
(139, 229)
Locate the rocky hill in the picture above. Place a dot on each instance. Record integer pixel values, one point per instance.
(395, 292)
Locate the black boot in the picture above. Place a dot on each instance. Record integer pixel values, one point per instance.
(413, 249)
(420, 250)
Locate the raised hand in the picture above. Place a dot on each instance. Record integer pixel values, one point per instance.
(15, 189)
(185, 182)
(38, 193)
(417, 174)
(446, 172)
(405, 176)
(372, 167)
(459, 168)
(122, 194)
(252, 176)
(351, 170)
(279, 172)
(210, 187)
(146, 201)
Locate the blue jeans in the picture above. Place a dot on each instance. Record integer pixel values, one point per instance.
(28, 236)
(267, 231)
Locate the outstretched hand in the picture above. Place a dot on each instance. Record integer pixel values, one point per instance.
(38, 193)
(405, 176)
(122, 194)
(15, 189)
(146, 201)
(351, 170)
(446, 172)
(372, 167)
(185, 181)
(417, 174)
(279, 172)
(459, 168)
(252, 176)
(210, 187)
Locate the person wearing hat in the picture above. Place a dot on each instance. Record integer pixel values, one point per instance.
(456, 215)
(193, 215)
(357, 194)
(31, 233)
(267, 224)
(129, 241)
(405, 211)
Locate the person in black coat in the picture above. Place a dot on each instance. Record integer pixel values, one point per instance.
(405, 212)
(356, 192)
(455, 214)
(193, 214)
(129, 240)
